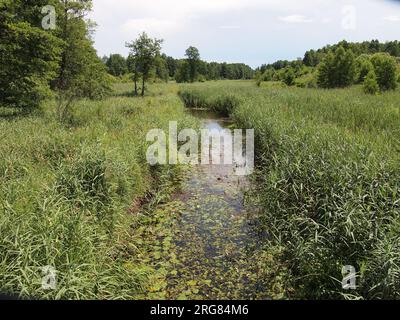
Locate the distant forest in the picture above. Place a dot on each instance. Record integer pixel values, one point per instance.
(167, 68)
(371, 63)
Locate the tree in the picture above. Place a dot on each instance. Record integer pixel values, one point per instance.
(172, 65)
(385, 70)
(337, 70)
(311, 58)
(162, 71)
(289, 76)
(364, 66)
(29, 54)
(370, 83)
(183, 72)
(133, 68)
(116, 65)
(193, 59)
(81, 71)
(144, 53)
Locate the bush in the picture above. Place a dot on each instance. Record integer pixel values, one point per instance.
(223, 104)
(370, 84)
(337, 70)
(385, 70)
(364, 66)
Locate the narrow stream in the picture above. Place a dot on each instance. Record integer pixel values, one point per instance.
(214, 241)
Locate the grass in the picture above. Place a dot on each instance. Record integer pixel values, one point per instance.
(70, 193)
(328, 181)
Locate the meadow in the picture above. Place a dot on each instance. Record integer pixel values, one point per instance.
(70, 194)
(80, 195)
(328, 183)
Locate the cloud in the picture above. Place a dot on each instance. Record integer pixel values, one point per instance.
(295, 18)
(229, 27)
(392, 18)
(154, 26)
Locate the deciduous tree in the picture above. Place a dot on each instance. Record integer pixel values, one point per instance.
(144, 53)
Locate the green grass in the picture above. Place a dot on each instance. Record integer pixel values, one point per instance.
(328, 182)
(69, 195)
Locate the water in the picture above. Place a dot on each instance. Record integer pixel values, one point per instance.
(215, 245)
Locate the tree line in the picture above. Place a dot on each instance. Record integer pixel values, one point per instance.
(373, 64)
(37, 62)
(189, 69)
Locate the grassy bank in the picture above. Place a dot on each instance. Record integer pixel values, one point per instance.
(70, 194)
(328, 180)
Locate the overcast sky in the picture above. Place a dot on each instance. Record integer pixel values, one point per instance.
(249, 31)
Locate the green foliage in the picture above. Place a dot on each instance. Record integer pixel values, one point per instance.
(311, 58)
(161, 69)
(385, 70)
(338, 65)
(328, 183)
(143, 58)
(308, 80)
(193, 60)
(29, 55)
(69, 196)
(81, 72)
(224, 104)
(337, 70)
(370, 83)
(364, 66)
(289, 77)
(117, 65)
(212, 71)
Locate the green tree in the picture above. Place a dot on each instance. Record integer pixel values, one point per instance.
(133, 68)
(161, 69)
(81, 72)
(311, 58)
(116, 65)
(370, 83)
(172, 65)
(29, 54)
(144, 52)
(385, 70)
(364, 66)
(289, 77)
(193, 59)
(183, 72)
(338, 69)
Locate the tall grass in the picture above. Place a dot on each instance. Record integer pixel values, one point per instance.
(65, 191)
(328, 180)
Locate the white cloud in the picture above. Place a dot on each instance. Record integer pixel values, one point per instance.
(295, 18)
(392, 18)
(155, 27)
(230, 27)
(217, 26)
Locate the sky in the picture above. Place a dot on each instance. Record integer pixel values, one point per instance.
(249, 31)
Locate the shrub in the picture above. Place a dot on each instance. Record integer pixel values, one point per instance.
(370, 83)
(364, 66)
(385, 70)
(337, 70)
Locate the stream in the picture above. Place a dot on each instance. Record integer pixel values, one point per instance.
(214, 240)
